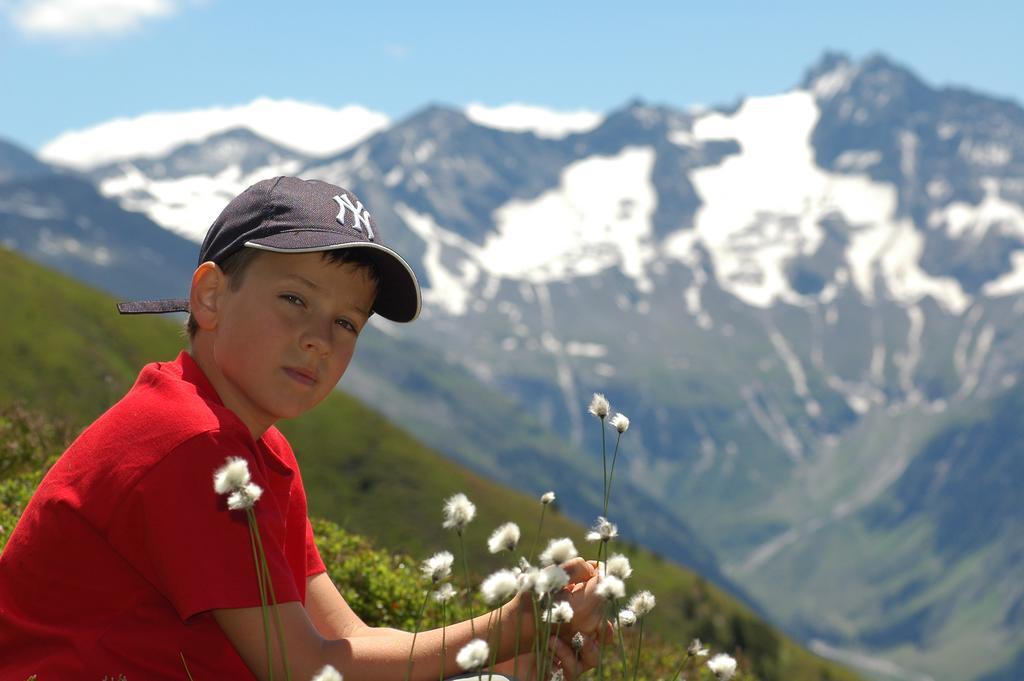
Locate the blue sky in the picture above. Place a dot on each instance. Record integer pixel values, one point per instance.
(68, 64)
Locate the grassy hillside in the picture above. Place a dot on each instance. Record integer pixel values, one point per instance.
(77, 356)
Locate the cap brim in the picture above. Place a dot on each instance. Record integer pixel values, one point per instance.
(153, 306)
(399, 296)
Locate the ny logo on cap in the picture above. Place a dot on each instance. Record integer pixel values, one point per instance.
(361, 216)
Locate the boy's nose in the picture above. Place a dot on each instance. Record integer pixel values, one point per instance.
(317, 337)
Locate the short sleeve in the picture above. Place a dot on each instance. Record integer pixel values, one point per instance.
(180, 535)
(314, 563)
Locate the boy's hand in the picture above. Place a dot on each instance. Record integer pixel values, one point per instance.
(587, 606)
(565, 659)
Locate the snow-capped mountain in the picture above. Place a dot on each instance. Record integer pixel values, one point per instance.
(807, 303)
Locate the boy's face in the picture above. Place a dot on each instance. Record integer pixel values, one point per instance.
(283, 339)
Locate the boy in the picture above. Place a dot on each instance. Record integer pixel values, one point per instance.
(126, 561)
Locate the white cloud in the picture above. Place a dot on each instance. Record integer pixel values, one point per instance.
(536, 119)
(310, 128)
(84, 17)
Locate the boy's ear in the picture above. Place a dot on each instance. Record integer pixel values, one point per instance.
(208, 283)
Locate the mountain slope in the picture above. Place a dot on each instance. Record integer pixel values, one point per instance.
(360, 470)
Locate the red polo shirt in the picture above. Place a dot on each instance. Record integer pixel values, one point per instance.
(125, 548)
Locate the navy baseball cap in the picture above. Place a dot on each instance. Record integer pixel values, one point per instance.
(291, 215)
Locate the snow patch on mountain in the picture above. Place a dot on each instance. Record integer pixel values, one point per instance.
(309, 128)
(966, 220)
(598, 217)
(538, 120)
(451, 291)
(186, 206)
(753, 235)
(1010, 283)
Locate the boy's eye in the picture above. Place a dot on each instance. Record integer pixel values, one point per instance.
(346, 324)
(292, 298)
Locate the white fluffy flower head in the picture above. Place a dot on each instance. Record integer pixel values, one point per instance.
(603, 530)
(599, 406)
(438, 566)
(619, 422)
(505, 538)
(547, 498)
(245, 497)
(626, 618)
(577, 642)
(473, 655)
(697, 649)
(459, 511)
(558, 551)
(618, 566)
(611, 587)
(722, 666)
(444, 593)
(557, 674)
(642, 603)
(559, 613)
(500, 586)
(328, 673)
(526, 576)
(551, 579)
(232, 476)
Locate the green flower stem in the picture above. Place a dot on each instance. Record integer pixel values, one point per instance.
(273, 598)
(263, 593)
(682, 666)
(185, 665)
(415, 633)
(622, 639)
(519, 631)
(604, 464)
(444, 652)
(540, 526)
(639, 643)
(611, 475)
(497, 641)
(538, 647)
(469, 585)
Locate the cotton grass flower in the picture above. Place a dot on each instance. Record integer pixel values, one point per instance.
(603, 530)
(328, 673)
(577, 643)
(459, 511)
(547, 498)
(558, 552)
(559, 613)
(526, 577)
(245, 498)
(626, 618)
(599, 406)
(696, 649)
(557, 675)
(444, 593)
(438, 567)
(232, 476)
(722, 666)
(619, 422)
(642, 603)
(550, 579)
(611, 587)
(505, 538)
(499, 587)
(618, 566)
(234, 480)
(473, 655)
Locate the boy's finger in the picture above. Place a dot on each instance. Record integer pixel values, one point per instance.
(579, 570)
